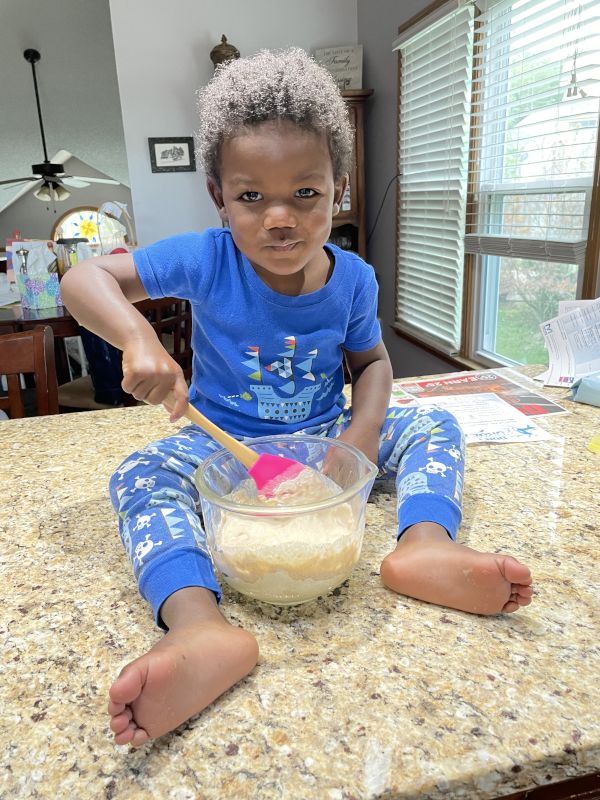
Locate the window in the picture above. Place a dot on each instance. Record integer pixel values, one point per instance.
(78, 223)
(99, 226)
(498, 132)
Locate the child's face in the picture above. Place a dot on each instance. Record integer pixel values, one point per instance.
(278, 196)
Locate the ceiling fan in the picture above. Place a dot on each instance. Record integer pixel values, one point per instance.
(52, 176)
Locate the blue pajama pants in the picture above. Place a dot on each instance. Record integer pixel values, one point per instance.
(154, 494)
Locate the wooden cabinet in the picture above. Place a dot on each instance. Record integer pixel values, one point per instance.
(349, 225)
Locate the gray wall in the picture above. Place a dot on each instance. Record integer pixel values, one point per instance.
(378, 22)
(77, 83)
(162, 57)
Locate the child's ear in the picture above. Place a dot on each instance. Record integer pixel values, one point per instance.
(216, 195)
(340, 188)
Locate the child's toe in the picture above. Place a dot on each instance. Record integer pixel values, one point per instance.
(128, 686)
(119, 723)
(115, 708)
(126, 736)
(139, 737)
(525, 591)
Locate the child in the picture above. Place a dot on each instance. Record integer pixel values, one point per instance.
(267, 293)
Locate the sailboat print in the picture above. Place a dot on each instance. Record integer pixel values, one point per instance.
(293, 399)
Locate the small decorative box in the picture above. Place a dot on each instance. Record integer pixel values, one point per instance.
(40, 291)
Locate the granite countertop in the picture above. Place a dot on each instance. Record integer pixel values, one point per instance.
(363, 694)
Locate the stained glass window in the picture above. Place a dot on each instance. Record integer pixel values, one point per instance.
(82, 223)
(79, 223)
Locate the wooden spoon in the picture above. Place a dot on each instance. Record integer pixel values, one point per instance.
(267, 471)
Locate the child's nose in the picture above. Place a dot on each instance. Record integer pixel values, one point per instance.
(279, 215)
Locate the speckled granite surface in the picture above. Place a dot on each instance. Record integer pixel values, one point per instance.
(364, 694)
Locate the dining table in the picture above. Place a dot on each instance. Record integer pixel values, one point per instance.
(24, 318)
(359, 695)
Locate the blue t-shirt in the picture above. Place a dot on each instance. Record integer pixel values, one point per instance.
(263, 362)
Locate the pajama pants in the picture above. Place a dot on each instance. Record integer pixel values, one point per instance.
(156, 499)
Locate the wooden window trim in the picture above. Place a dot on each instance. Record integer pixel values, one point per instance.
(424, 12)
(591, 270)
(456, 361)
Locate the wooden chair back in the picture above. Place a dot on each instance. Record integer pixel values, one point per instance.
(171, 318)
(29, 352)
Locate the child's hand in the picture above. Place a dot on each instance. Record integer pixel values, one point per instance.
(150, 374)
(367, 443)
(336, 462)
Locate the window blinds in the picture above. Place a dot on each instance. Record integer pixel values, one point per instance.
(519, 102)
(535, 108)
(433, 122)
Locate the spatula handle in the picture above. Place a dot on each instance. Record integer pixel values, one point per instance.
(244, 454)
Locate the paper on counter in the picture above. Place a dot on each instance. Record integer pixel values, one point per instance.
(487, 419)
(564, 306)
(512, 387)
(400, 397)
(9, 293)
(483, 417)
(10, 298)
(573, 343)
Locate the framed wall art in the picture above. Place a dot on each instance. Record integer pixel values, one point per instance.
(172, 154)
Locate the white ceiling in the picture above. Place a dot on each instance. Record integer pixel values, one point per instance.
(77, 83)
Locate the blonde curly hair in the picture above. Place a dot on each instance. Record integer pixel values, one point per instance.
(272, 85)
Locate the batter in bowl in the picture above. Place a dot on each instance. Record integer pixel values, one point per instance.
(294, 558)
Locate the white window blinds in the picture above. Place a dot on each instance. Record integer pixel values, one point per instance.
(535, 115)
(435, 90)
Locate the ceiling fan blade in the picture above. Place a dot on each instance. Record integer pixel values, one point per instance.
(19, 180)
(92, 180)
(76, 183)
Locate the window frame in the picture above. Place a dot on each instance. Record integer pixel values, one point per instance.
(588, 283)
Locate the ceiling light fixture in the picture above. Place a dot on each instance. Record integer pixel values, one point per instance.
(50, 191)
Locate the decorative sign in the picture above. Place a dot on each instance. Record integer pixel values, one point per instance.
(344, 63)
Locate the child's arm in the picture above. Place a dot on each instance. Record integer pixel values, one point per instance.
(371, 373)
(99, 293)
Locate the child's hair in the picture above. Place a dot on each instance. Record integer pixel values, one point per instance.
(272, 85)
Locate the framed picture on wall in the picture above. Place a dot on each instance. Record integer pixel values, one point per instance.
(172, 154)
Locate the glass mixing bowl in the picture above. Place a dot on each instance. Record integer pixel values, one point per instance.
(287, 554)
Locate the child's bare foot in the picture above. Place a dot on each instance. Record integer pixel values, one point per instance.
(428, 565)
(183, 673)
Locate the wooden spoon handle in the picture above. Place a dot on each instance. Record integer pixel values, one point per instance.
(244, 454)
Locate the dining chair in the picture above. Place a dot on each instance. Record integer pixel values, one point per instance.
(29, 352)
(171, 319)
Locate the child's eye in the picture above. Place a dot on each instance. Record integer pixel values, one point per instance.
(251, 197)
(305, 192)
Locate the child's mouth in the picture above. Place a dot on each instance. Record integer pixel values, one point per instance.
(284, 247)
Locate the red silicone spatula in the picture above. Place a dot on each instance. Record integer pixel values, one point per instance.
(267, 471)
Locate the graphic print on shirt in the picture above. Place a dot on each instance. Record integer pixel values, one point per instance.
(285, 388)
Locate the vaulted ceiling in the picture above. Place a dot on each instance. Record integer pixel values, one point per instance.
(77, 84)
